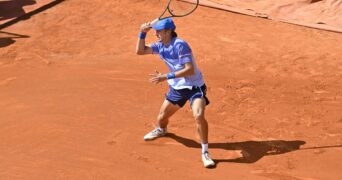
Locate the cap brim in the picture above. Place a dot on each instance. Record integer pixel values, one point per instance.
(157, 27)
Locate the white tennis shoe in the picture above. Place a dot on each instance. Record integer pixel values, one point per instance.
(207, 161)
(157, 132)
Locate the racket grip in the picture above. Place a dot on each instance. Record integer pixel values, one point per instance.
(154, 22)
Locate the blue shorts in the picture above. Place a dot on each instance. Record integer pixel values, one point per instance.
(180, 96)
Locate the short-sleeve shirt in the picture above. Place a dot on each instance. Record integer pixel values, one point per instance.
(175, 55)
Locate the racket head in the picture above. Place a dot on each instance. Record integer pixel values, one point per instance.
(181, 8)
(177, 8)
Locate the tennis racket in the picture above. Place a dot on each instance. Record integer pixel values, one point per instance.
(177, 8)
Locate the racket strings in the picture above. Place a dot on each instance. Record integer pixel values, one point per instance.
(182, 7)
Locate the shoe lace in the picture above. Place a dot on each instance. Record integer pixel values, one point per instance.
(207, 156)
(157, 131)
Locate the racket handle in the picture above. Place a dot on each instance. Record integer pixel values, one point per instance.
(154, 22)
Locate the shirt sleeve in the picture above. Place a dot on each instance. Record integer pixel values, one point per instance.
(184, 53)
(155, 48)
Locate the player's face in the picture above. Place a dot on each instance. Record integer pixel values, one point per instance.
(163, 35)
(160, 34)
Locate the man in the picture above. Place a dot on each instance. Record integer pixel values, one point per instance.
(185, 81)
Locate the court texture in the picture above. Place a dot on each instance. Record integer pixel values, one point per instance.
(75, 100)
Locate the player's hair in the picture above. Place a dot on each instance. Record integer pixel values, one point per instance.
(173, 34)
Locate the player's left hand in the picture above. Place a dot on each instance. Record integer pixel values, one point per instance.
(157, 77)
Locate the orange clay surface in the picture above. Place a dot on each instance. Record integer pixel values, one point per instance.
(75, 101)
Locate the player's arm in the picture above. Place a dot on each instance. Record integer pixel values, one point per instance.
(188, 70)
(141, 47)
(185, 58)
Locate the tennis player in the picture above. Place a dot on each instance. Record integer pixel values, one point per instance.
(185, 81)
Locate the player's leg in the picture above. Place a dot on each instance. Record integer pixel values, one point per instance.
(167, 109)
(198, 108)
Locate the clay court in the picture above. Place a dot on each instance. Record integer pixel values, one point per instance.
(76, 100)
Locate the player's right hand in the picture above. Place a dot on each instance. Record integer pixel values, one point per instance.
(145, 27)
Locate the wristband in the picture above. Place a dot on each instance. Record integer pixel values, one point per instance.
(170, 75)
(142, 35)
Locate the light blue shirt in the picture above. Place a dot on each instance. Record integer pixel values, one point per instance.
(175, 55)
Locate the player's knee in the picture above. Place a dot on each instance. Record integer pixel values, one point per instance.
(199, 117)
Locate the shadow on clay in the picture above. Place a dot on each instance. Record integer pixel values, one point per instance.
(7, 38)
(251, 151)
(14, 11)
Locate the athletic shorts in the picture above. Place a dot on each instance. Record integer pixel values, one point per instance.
(180, 96)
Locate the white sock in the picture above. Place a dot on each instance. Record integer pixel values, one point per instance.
(204, 148)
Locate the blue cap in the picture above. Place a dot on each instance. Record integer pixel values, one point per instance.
(164, 24)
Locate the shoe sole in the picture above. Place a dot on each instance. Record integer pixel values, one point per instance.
(210, 166)
(150, 139)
